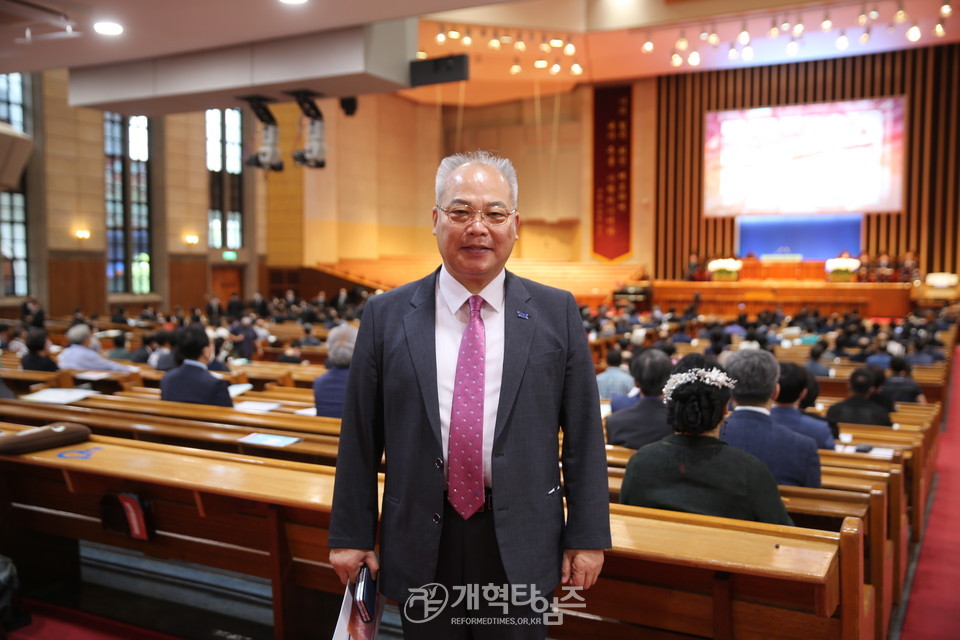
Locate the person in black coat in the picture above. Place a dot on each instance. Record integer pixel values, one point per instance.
(645, 421)
(37, 358)
(858, 408)
(191, 381)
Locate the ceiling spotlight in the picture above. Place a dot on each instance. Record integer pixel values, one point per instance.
(913, 33)
(732, 53)
(453, 34)
(874, 13)
(647, 45)
(494, 41)
(555, 68)
(842, 43)
(293, 1)
(520, 45)
(421, 55)
(714, 37)
(682, 42)
(862, 18)
(515, 67)
(556, 43)
(676, 59)
(798, 29)
(107, 28)
(569, 49)
(774, 31)
(826, 24)
(865, 36)
(785, 24)
(694, 58)
(945, 9)
(540, 63)
(704, 34)
(441, 36)
(900, 16)
(793, 47)
(544, 45)
(938, 30)
(467, 39)
(747, 53)
(744, 37)
(576, 69)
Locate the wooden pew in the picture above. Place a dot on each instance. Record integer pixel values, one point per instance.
(24, 382)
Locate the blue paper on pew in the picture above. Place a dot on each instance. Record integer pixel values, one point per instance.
(269, 440)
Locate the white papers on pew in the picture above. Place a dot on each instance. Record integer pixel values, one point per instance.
(239, 389)
(59, 396)
(93, 375)
(250, 405)
(269, 440)
(308, 411)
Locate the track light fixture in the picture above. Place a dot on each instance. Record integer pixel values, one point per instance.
(268, 155)
(314, 154)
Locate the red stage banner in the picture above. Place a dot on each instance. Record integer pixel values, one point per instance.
(612, 107)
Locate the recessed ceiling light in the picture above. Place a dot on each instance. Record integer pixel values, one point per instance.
(294, 1)
(107, 28)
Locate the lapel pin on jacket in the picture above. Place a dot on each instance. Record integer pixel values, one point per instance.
(521, 314)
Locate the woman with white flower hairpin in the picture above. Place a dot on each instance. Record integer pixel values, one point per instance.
(692, 470)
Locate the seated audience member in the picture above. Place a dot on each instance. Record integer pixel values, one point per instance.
(308, 339)
(880, 356)
(613, 379)
(858, 409)
(918, 354)
(148, 344)
(645, 421)
(879, 377)
(37, 357)
(813, 365)
(218, 355)
(15, 344)
(162, 358)
(900, 387)
(791, 457)
(291, 354)
(79, 355)
(120, 351)
(786, 412)
(692, 470)
(191, 381)
(330, 389)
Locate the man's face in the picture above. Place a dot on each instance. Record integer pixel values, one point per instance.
(474, 253)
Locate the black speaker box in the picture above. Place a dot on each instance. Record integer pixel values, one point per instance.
(436, 70)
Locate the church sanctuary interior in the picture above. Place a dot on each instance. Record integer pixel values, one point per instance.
(699, 174)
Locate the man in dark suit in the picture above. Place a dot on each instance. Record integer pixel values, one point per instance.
(859, 408)
(191, 381)
(786, 412)
(646, 421)
(472, 349)
(791, 457)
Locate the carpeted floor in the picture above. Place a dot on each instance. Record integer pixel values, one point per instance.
(933, 612)
(50, 622)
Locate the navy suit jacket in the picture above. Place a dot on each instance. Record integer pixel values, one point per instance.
(392, 407)
(189, 383)
(791, 457)
(641, 424)
(793, 419)
(620, 401)
(329, 391)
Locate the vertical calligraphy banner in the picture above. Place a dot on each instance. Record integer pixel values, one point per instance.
(611, 171)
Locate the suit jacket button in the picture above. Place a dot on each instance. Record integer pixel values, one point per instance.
(436, 518)
(439, 463)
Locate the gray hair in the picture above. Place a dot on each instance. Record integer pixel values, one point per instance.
(78, 333)
(449, 164)
(340, 343)
(756, 372)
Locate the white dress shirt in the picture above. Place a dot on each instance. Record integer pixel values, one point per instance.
(452, 315)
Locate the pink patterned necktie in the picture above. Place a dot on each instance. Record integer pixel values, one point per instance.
(465, 446)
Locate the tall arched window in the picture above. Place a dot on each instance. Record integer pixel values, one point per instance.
(13, 204)
(126, 186)
(225, 165)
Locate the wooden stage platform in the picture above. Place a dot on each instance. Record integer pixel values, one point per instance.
(751, 297)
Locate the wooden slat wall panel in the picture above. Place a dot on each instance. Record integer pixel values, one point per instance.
(77, 279)
(929, 78)
(188, 281)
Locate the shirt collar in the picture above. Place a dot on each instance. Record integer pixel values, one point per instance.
(762, 410)
(452, 294)
(195, 363)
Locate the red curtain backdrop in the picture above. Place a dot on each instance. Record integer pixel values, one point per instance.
(611, 171)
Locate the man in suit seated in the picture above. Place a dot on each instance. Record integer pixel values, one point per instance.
(645, 421)
(785, 411)
(191, 382)
(330, 389)
(613, 379)
(858, 408)
(791, 457)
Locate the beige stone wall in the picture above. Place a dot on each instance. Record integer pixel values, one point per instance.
(73, 168)
(185, 182)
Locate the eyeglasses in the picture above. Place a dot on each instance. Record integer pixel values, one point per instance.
(464, 214)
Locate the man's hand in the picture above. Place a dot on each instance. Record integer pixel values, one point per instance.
(581, 567)
(347, 562)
